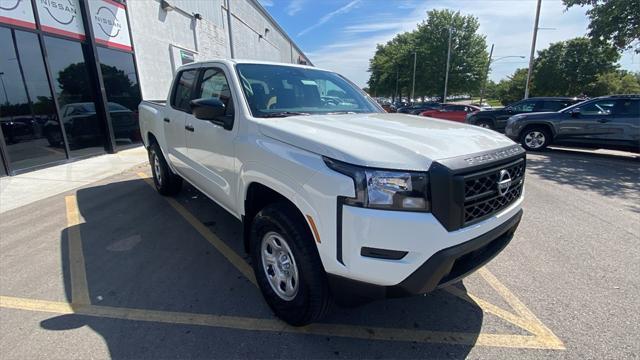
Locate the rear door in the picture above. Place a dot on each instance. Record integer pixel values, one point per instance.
(211, 149)
(174, 119)
(626, 121)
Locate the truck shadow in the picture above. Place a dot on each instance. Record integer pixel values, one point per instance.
(607, 175)
(140, 254)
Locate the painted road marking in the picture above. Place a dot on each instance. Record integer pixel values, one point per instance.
(274, 325)
(541, 338)
(77, 270)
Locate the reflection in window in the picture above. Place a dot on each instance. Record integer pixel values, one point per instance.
(123, 94)
(27, 113)
(85, 131)
(602, 107)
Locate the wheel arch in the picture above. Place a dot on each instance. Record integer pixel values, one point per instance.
(549, 127)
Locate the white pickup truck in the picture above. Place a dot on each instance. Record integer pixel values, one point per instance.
(339, 200)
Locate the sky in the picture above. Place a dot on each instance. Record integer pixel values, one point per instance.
(341, 35)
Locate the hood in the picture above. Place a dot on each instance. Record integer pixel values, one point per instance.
(391, 141)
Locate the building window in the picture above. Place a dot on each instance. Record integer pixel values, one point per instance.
(123, 94)
(74, 91)
(30, 127)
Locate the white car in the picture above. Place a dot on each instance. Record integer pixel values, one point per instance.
(339, 200)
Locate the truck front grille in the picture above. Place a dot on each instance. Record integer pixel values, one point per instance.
(483, 195)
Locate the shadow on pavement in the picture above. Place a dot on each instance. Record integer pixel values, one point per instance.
(608, 175)
(139, 253)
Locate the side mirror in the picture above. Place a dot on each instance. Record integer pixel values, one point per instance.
(213, 110)
(508, 109)
(575, 112)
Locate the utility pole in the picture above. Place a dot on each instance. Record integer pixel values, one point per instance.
(397, 78)
(486, 75)
(533, 50)
(231, 52)
(446, 76)
(413, 87)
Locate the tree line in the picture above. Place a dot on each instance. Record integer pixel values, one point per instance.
(580, 66)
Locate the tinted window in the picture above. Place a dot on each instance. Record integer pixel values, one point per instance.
(598, 107)
(214, 85)
(123, 94)
(628, 107)
(552, 105)
(183, 89)
(27, 114)
(74, 89)
(276, 89)
(523, 106)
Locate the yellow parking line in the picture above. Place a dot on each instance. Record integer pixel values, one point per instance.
(77, 270)
(223, 248)
(258, 324)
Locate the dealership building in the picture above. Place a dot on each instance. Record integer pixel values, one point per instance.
(72, 72)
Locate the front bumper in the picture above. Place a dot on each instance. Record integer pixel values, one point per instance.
(444, 267)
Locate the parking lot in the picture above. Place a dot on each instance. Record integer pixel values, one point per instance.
(113, 269)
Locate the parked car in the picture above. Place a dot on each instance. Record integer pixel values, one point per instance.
(416, 109)
(604, 122)
(328, 207)
(497, 119)
(455, 112)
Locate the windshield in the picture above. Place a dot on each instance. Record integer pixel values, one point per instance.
(276, 90)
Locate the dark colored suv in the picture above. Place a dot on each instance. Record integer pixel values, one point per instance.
(497, 119)
(611, 122)
(416, 109)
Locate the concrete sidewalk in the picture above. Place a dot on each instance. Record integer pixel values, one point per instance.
(20, 190)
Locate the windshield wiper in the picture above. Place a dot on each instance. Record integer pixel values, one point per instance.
(283, 114)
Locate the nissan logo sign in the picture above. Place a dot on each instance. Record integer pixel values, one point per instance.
(504, 182)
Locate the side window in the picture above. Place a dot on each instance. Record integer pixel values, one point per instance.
(214, 85)
(599, 107)
(550, 105)
(524, 106)
(628, 107)
(182, 90)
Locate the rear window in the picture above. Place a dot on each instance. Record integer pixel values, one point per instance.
(182, 91)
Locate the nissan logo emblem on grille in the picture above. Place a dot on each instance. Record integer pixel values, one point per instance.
(504, 182)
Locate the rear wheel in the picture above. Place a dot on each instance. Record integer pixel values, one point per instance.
(535, 138)
(287, 265)
(166, 182)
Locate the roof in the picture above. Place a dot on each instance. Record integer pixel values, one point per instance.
(232, 62)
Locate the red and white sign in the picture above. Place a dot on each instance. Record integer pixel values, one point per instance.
(17, 12)
(62, 17)
(110, 26)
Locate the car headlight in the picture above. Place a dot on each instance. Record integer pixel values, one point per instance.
(385, 189)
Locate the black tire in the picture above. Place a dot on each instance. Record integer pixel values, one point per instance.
(487, 124)
(535, 138)
(167, 183)
(312, 300)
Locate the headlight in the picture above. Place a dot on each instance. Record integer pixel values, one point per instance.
(385, 189)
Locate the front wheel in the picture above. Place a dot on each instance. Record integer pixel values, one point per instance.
(485, 124)
(535, 138)
(287, 265)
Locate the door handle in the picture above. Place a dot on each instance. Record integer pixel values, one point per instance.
(189, 128)
(167, 120)
(602, 121)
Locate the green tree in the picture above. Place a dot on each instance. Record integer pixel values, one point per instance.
(512, 89)
(616, 82)
(614, 21)
(569, 68)
(393, 62)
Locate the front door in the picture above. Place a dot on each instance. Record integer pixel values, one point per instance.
(211, 146)
(524, 106)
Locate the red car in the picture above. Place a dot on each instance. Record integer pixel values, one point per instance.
(454, 112)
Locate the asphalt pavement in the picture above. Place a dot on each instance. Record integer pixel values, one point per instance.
(113, 269)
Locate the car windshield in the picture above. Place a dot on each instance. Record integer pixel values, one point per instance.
(278, 91)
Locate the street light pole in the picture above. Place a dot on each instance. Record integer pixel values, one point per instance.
(6, 96)
(446, 76)
(533, 50)
(397, 78)
(413, 87)
(486, 75)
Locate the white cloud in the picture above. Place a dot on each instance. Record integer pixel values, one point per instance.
(507, 24)
(343, 10)
(266, 3)
(294, 7)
